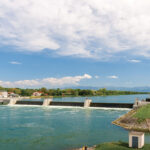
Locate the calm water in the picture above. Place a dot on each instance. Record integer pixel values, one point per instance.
(106, 99)
(45, 128)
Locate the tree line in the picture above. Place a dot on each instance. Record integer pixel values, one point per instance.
(69, 92)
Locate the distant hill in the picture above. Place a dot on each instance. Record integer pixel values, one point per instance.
(136, 89)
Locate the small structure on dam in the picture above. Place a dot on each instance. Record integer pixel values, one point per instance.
(87, 103)
(47, 101)
(139, 103)
(13, 101)
(136, 139)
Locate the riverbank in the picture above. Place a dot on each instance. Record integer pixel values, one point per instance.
(118, 146)
(73, 96)
(114, 146)
(136, 119)
(68, 92)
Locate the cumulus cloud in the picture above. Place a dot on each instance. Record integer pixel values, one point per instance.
(82, 28)
(134, 61)
(113, 77)
(15, 63)
(96, 76)
(48, 82)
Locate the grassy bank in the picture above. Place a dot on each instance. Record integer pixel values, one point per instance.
(118, 146)
(136, 119)
(143, 113)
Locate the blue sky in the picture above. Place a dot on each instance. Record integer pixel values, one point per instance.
(53, 44)
(31, 66)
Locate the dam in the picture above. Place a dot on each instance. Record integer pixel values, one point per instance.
(78, 104)
(49, 103)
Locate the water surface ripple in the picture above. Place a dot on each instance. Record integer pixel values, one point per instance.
(57, 128)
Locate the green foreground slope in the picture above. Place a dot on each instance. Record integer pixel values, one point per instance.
(118, 146)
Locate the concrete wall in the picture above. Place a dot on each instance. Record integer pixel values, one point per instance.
(78, 104)
(112, 105)
(29, 103)
(4, 102)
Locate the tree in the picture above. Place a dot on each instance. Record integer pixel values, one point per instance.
(44, 90)
(17, 91)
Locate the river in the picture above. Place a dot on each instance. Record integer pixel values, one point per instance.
(60, 128)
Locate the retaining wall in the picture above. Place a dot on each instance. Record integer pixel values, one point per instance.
(78, 104)
(29, 103)
(112, 105)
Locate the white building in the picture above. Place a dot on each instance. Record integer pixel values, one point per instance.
(11, 94)
(3, 94)
(136, 139)
(37, 94)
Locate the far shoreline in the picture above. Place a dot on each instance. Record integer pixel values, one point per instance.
(42, 97)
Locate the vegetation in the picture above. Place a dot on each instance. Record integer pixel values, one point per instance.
(118, 146)
(143, 113)
(69, 92)
(137, 119)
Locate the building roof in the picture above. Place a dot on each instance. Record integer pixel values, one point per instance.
(136, 133)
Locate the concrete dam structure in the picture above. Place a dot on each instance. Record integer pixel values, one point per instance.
(77, 104)
(49, 102)
(13, 101)
(112, 105)
(4, 102)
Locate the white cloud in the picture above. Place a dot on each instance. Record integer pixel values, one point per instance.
(134, 61)
(48, 82)
(96, 76)
(15, 63)
(101, 29)
(113, 77)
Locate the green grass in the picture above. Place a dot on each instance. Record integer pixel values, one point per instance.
(143, 113)
(118, 146)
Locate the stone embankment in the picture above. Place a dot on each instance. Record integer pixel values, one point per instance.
(129, 121)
